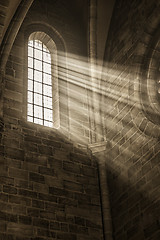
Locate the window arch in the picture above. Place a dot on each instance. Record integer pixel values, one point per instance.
(150, 83)
(42, 85)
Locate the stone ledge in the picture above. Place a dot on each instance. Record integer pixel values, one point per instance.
(97, 147)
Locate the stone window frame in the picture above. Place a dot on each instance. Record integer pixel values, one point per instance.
(149, 85)
(61, 120)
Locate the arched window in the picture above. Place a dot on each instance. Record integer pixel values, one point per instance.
(42, 87)
(150, 83)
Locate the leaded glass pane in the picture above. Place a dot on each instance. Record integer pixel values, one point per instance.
(39, 109)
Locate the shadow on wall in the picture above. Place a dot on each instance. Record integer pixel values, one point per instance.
(132, 156)
(56, 180)
(134, 189)
(50, 186)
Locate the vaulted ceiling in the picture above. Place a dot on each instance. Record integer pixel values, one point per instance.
(80, 8)
(7, 10)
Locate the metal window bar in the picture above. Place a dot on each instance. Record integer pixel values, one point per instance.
(42, 67)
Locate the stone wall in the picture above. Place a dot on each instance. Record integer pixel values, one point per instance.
(133, 147)
(3, 14)
(49, 186)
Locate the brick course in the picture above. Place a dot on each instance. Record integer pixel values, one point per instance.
(49, 187)
(46, 181)
(132, 137)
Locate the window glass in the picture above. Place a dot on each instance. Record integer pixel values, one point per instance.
(39, 109)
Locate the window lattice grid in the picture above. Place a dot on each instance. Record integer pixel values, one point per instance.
(39, 84)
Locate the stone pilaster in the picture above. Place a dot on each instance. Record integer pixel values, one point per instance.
(98, 150)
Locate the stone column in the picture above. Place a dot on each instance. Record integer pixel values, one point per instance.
(98, 150)
(92, 52)
(7, 44)
(12, 31)
(94, 97)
